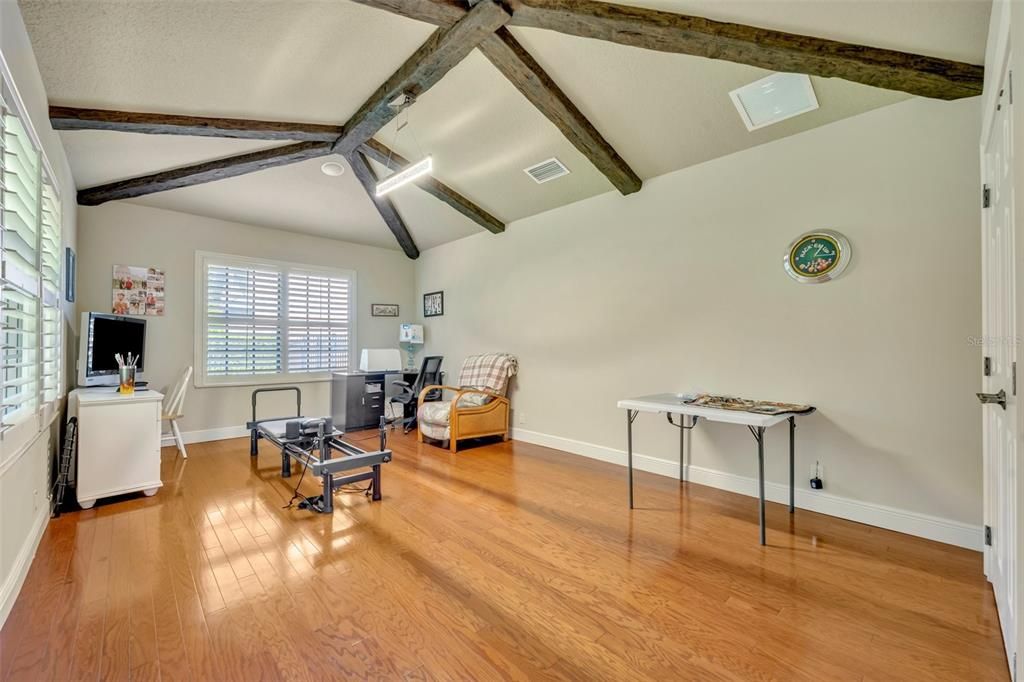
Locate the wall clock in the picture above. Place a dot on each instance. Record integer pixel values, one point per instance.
(818, 256)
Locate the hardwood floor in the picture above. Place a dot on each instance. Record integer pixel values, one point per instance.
(506, 561)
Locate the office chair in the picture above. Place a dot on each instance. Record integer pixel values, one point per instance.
(430, 375)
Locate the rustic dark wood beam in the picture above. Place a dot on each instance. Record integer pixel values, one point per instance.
(368, 179)
(74, 118)
(207, 171)
(523, 71)
(380, 153)
(773, 50)
(445, 48)
(764, 48)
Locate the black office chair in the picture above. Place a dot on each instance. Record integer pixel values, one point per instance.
(430, 375)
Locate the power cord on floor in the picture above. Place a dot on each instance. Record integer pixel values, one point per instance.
(295, 493)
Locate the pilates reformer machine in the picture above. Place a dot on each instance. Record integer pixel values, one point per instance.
(318, 447)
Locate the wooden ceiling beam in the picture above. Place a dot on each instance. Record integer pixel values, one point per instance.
(74, 118)
(208, 171)
(380, 153)
(388, 212)
(445, 48)
(523, 71)
(764, 48)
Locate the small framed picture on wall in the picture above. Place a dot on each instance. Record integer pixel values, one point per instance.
(70, 266)
(433, 304)
(384, 309)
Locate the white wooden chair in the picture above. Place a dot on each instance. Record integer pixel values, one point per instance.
(173, 408)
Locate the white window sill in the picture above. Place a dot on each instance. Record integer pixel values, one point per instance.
(263, 380)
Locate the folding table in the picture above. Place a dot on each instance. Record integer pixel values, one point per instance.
(671, 403)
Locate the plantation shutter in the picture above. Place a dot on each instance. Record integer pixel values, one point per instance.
(243, 332)
(50, 248)
(20, 196)
(318, 322)
(271, 318)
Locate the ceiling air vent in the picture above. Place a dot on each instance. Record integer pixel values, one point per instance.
(546, 170)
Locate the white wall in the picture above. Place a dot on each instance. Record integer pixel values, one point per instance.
(124, 233)
(24, 456)
(681, 287)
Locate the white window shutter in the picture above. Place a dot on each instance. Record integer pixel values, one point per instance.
(319, 319)
(20, 280)
(243, 335)
(273, 318)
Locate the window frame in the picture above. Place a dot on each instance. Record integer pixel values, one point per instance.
(205, 258)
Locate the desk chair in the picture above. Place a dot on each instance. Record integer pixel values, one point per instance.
(430, 373)
(173, 408)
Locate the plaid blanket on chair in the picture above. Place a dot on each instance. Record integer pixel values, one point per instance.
(489, 372)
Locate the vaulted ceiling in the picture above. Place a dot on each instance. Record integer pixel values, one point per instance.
(318, 61)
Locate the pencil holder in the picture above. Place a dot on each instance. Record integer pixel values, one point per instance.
(127, 377)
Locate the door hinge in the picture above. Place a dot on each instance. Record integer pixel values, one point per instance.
(986, 368)
(1014, 380)
(986, 196)
(988, 536)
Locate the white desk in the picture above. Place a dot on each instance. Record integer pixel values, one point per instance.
(118, 442)
(670, 403)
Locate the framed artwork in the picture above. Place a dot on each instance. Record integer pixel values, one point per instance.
(70, 263)
(817, 257)
(433, 304)
(137, 291)
(384, 309)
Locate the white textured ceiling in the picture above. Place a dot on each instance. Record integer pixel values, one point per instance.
(318, 61)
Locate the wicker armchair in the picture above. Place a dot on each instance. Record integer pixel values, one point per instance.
(477, 408)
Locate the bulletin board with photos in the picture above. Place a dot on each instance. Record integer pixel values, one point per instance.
(138, 290)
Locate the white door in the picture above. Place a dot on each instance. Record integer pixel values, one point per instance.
(1000, 334)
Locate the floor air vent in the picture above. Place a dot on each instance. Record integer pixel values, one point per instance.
(546, 170)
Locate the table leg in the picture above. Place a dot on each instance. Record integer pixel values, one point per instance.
(630, 415)
(760, 477)
(682, 443)
(792, 459)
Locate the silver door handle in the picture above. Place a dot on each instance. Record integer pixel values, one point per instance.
(997, 398)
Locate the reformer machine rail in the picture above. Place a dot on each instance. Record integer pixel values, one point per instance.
(319, 448)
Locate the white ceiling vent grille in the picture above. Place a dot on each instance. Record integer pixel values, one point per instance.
(546, 170)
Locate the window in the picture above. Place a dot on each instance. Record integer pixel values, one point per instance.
(266, 321)
(30, 284)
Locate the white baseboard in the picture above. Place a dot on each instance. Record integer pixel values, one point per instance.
(890, 518)
(19, 571)
(204, 435)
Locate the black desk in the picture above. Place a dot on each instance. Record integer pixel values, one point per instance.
(359, 399)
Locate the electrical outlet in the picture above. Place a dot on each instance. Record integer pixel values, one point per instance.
(521, 418)
(35, 500)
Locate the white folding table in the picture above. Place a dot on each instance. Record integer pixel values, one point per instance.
(671, 403)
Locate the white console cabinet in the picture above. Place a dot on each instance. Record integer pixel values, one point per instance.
(118, 442)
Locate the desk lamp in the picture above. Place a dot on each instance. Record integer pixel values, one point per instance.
(410, 336)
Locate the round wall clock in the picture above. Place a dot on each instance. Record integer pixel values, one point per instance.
(816, 257)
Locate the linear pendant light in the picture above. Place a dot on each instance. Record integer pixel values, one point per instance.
(405, 176)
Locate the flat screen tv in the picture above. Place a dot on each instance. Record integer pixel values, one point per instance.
(103, 336)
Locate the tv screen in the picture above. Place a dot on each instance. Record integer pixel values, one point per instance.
(112, 334)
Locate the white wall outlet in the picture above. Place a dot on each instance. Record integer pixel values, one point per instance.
(521, 418)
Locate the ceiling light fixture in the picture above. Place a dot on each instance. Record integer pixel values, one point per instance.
(405, 176)
(413, 170)
(332, 168)
(773, 99)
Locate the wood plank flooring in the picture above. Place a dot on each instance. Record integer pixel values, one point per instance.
(506, 561)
